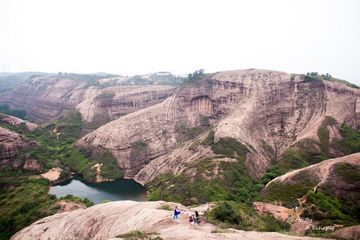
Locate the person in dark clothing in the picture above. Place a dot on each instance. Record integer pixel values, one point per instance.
(191, 220)
(176, 213)
(197, 217)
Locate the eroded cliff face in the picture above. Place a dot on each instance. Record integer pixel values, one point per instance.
(113, 102)
(11, 144)
(261, 109)
(47, 98)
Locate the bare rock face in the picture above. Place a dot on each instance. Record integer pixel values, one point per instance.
(109, 220)
(348, 233)
(32, 165)
(17, 122)
(47, 98)
(113, 102)
(252, 106)
(66, 206)
(53, 174)
(11, 144)
(284, 214)
(279, 212)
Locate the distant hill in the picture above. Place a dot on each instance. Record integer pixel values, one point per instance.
(11, 80)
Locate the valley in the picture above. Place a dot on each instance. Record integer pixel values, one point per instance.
(228, 138)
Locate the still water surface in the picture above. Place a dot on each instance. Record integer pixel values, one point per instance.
(98, 192)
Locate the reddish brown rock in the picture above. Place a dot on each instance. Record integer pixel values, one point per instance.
(66, 206)
(348, 233)
(32, 165)
(12, 144)
(17, 122)
(108, 220)
(252, 106)
(47, 98)
(279, 212)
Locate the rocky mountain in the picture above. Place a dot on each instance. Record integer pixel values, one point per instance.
(10, 80)
(45, 98)
(113, 102)
(326, 174)
(17, 122)
(218, 138)
(11, 144)
(111, 220)
(338, 177)
(263, 112)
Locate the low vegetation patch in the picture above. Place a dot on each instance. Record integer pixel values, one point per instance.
(240, 216)
(326, 209)
(106, 94)
(350, 173)
(166, 207)
(138, 235)
(350, 142)
(287, 193)
(315, 76)
(24, 201)
(79, 200)
(323, 133)
(233, 183)
(228, 147)
(5, 108)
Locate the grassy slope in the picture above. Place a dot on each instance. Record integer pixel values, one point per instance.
(236, 215)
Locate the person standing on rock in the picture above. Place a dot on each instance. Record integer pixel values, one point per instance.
(197, 217)
(176, 213)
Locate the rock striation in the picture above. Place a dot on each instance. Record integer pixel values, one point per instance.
(17, 122)
(109, 220)
(47, 98)
(267, 111)
(12, 144)
(113, 102)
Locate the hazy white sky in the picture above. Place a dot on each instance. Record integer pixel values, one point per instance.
(141, 36)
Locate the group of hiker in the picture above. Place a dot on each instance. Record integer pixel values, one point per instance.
(193, 219)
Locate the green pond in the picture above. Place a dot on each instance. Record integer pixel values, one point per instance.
(124, 189)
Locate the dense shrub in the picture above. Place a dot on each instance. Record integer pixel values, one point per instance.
(240, 216)
(324, 207)
(75, 199)
(350, 142)
(20, 113)
(285, 193)
(23, 203)
(350, 173)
